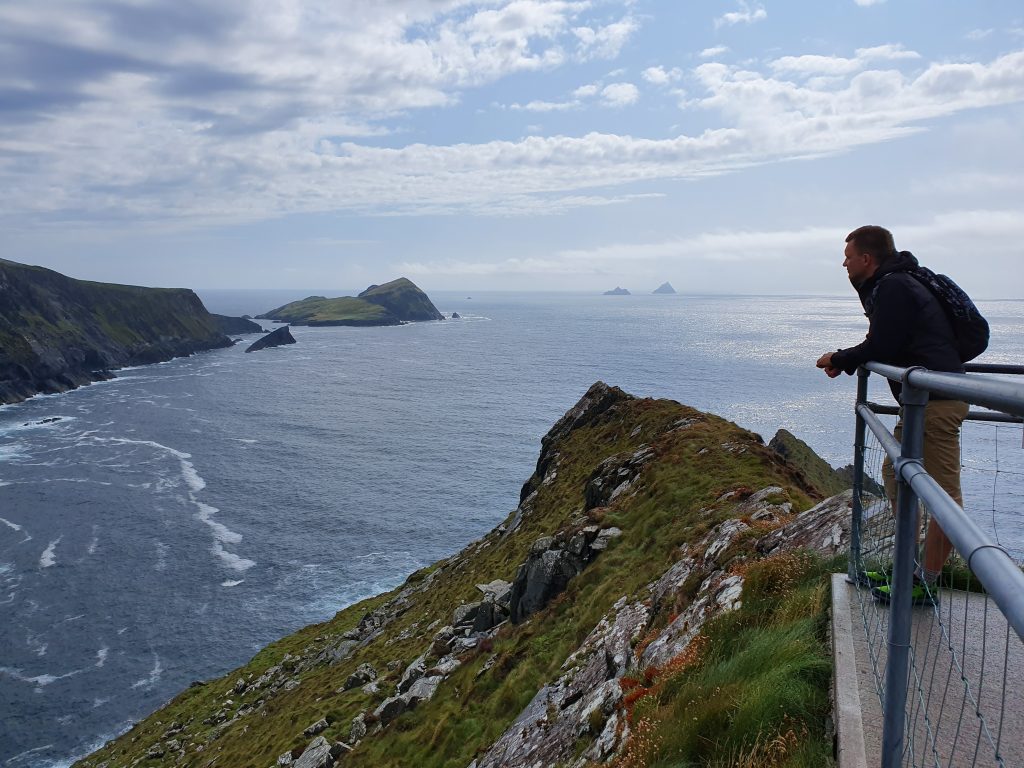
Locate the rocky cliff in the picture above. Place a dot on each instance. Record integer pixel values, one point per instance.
(658, 597)
(57, 333)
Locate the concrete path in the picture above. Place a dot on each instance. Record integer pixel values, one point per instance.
(965, 661)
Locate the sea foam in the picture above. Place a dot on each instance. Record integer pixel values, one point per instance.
(49, 557)
(154, 675)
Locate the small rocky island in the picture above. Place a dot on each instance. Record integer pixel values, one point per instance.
(665, 288)
(276, 338)
(399, 301)
(616, 291)
(58, 333)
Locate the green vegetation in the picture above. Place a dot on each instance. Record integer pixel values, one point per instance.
(825, 478)
(756, 682)
(389, 304)
(318, 310)
(752, 690)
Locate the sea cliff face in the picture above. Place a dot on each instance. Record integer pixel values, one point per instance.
(57, 333)
(657, 597)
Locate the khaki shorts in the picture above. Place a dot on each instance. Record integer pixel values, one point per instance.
(942, 422)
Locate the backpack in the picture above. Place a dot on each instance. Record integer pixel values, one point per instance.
(969, 327)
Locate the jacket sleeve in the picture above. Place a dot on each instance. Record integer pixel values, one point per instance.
(891, 324)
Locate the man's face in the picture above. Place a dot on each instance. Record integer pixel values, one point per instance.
(859, 266)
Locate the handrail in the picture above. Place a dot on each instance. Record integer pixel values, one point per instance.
(993, 566)
(978, 389)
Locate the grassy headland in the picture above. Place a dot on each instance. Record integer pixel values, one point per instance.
(692, 631)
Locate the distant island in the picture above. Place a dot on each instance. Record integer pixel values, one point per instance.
(58, 333)
(616, 291)
(399, 301)
(665, 287)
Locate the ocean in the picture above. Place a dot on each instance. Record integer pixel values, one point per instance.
(162, 527)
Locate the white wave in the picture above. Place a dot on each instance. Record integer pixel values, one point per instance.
(230, 559)
(70, 479)
(39, 681)
(18, 758)
(3, 483)
(38, 647)
(220, 531)
(244, 440)
(154, 675)
(92, 545)
(230, 583)
(161, 556)
(8, 523)
(97, 703)
(124, 440)
(195, 483)
(49, 557)
(101, 656)
(12, 451)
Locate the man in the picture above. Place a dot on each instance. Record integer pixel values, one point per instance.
(907, 327)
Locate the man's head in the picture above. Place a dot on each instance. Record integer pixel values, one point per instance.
(867, 248)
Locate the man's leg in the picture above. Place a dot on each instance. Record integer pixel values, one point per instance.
(942, 422)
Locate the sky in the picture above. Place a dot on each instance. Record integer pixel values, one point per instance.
(725, 146)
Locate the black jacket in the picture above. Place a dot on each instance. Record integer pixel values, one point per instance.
(907, 324)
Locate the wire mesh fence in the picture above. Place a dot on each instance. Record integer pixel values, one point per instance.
(965, 706)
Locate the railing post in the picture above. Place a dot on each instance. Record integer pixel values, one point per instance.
(854, 564)
(897, 674)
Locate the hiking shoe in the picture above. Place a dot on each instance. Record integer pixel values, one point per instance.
(873, 579)
(920, 595)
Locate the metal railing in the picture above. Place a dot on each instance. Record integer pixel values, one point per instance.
(912, 679)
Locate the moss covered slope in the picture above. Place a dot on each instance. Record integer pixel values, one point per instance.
(57, 332)
(393, 303)
(664, 520)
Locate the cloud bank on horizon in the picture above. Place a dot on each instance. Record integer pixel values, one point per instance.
(727, 147)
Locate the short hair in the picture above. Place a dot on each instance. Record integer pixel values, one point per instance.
(873, 240)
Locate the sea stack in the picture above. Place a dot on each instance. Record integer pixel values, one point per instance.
(665, 287)
(275, 338)
(616, 291)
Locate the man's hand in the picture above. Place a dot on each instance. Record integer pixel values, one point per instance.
(825, 362)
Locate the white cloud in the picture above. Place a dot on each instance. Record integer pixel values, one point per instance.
(605, 42)
(710, 53)
(979, 34)
(546, 106)
(661, 76)
(866, 3)
(620, 94)
(838, 65)
(279, 128)
(746, 15)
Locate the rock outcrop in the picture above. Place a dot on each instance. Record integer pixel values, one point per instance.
(275, 338)
(617, 291)
(664, 288)
(58, 333)
(230, 325)
(823, 475)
